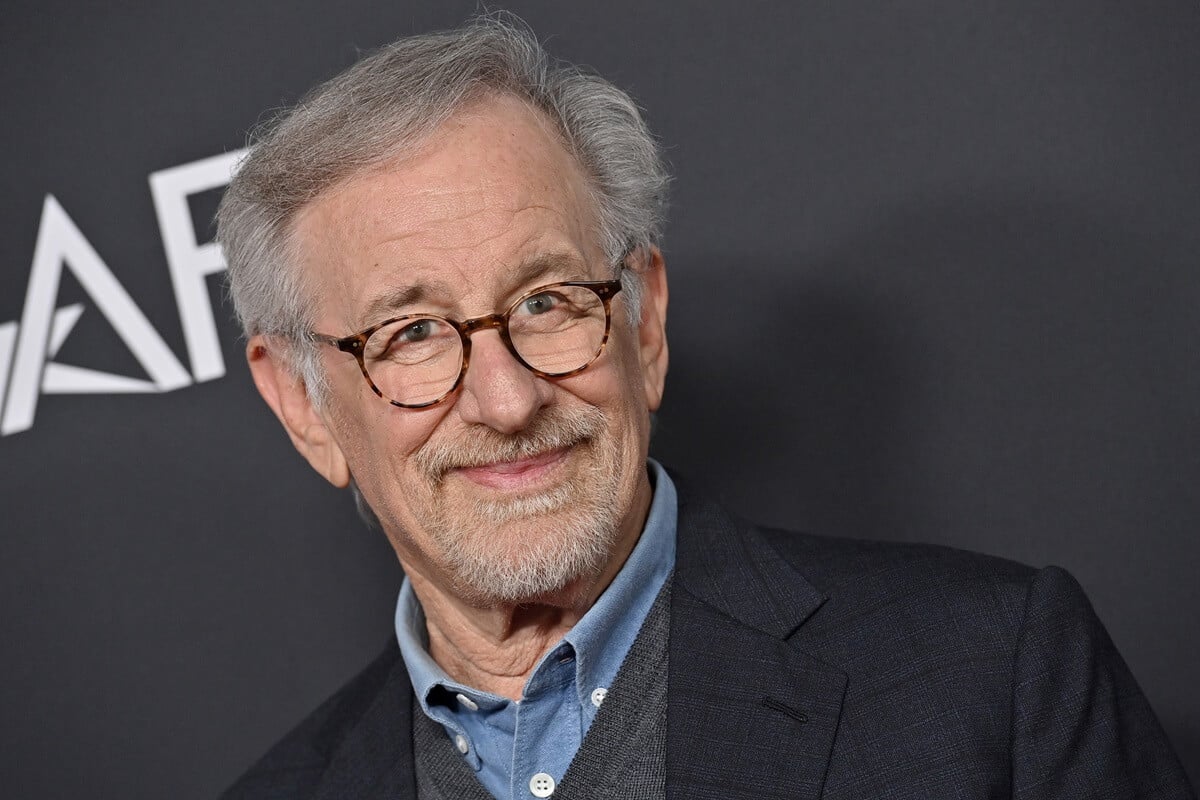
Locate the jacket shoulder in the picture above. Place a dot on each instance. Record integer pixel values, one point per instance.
(858, 574)
(1008, 662)
(882, 566)
(832, 552)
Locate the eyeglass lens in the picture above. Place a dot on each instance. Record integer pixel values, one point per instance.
(553, 331)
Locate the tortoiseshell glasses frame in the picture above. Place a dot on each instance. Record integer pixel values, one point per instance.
(356, 343)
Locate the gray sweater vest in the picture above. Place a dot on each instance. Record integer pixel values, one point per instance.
(623, 754)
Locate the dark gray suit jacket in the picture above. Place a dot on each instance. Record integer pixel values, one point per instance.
(806, 667)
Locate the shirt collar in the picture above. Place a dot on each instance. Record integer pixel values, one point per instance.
(605, 633)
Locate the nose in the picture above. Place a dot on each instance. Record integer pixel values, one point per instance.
(497, 390)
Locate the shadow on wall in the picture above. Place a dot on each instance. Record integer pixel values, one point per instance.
(946, 362)
(989, 373)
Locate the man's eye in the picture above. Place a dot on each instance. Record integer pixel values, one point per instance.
(415, 332)
(540, 303)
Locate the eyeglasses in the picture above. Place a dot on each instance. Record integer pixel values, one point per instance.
(419, 360)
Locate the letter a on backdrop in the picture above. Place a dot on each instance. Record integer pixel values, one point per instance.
(44, 328)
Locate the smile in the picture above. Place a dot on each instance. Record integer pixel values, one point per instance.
(522, 474)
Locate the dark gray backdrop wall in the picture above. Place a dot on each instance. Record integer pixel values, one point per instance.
(934, 278)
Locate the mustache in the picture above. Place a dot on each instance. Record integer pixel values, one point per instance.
(552, 429)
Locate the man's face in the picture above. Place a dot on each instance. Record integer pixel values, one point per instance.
(515, 487)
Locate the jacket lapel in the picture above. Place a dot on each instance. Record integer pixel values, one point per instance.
(375, 760)
(749, 712)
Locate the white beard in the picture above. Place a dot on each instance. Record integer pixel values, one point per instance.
(517, 549)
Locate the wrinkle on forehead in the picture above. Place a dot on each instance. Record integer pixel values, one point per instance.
(438, 295)
(491, 187)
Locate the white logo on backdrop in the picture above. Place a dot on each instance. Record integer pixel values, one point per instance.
(27, 349)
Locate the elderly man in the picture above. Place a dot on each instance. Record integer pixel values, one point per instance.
(446, 260)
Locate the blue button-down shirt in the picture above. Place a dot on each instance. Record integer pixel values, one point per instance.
(508, 742)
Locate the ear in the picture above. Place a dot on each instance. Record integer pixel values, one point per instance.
(288, 397)
(652, 330)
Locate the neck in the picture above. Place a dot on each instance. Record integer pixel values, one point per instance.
(495, 647)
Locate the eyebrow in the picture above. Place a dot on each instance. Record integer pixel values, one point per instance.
(554, 266)
(391, 301)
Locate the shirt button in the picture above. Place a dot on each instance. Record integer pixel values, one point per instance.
(598, 696)
(541, 785)
(466, 702)
(460, 742)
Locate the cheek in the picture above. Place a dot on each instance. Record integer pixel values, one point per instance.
(384, 468)
(627, 374)
(615, 386)
(399, 433)
(379, 438)
(607, 385)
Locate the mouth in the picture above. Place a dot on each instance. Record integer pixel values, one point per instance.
(522, 474)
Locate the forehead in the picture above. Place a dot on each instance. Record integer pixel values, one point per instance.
(491, 190)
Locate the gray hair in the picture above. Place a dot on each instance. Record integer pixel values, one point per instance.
(389, 102)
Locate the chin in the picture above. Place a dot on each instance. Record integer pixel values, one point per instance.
(530, 548)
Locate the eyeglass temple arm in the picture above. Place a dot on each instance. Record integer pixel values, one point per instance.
(350, 344)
